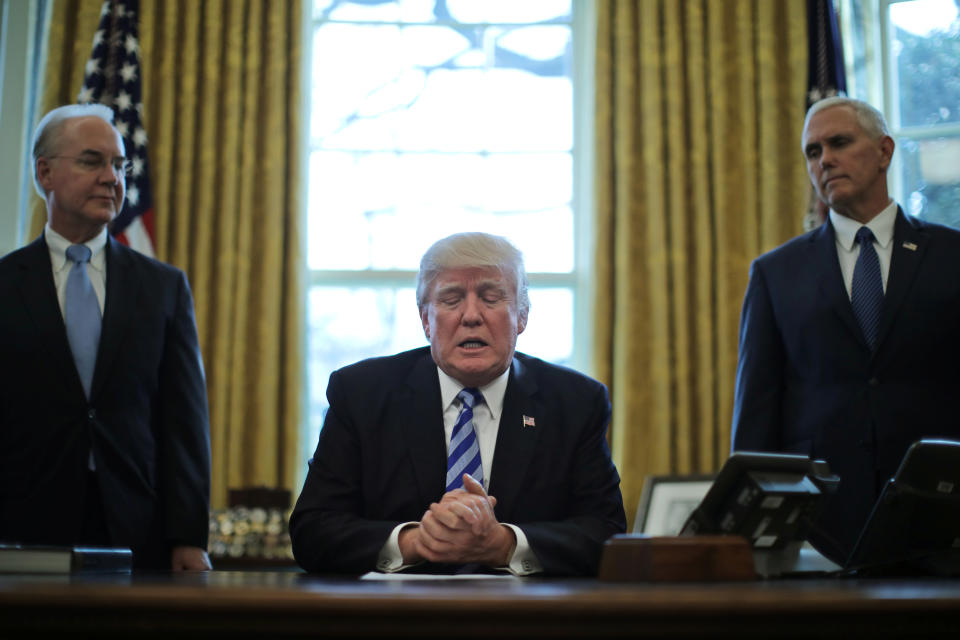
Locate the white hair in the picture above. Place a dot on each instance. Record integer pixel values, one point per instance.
(46, 137)
(473, 249)
(870, 119)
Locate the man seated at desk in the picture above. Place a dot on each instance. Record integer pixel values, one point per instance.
(464, 454)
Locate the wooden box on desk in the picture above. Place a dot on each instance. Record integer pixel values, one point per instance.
(640, 558)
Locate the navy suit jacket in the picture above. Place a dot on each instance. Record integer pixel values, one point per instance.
(807, 382)
(146, 421)
(381, 460)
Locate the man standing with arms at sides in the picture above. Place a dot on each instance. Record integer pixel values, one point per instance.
(850, 334)
(464, 455)
(104, 435)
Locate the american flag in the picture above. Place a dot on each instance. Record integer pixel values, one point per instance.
(112, 77)
(826, 76)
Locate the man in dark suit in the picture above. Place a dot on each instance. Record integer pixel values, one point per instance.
(535, 489)
(103, 440)
(850, 341)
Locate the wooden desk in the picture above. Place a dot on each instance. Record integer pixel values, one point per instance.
(224, 604)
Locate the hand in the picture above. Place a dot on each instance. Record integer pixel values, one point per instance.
(190, 559)
(460, 528)
(470, 506)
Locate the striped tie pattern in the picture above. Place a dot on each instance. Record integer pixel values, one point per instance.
(82, 315)
(463, 454)
(867, 290)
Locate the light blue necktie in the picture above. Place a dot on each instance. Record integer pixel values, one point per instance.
(463, 454)
(82, 315)
(867, 290)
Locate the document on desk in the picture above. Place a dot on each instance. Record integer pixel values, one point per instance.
(376, 575)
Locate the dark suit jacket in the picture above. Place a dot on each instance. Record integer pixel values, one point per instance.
(807, 382)
(381, 460)
(146, 420)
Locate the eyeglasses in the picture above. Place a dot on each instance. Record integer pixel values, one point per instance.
(94, 161)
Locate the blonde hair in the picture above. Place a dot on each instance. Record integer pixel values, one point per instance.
(473, 249)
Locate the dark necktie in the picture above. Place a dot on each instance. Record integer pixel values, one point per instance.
(82, 315)
(867, 290)
(463, 454)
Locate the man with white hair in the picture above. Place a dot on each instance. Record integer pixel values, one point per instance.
(464, 455)
(104, 435)
(850, 334)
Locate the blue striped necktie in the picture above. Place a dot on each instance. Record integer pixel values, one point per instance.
(867, 290)
(463, 454)
(82, 315)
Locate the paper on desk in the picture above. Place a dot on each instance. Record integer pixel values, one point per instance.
(376, 575)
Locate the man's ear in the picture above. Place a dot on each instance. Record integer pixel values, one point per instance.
(425, 321)
(886, 150)
(43, 173)
(521, 323)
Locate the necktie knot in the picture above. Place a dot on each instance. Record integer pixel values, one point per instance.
(864, 236)
(470, 396)
(79, 253)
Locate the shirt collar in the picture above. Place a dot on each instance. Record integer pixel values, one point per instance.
(493, 392)
(882, 225)
(57, 245)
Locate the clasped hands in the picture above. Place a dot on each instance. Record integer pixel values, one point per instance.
(460, 528)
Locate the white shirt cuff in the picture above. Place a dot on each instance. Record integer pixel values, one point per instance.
(523, 562)
(390, 559)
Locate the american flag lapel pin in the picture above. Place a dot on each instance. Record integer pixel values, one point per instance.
(528, 421)
(910, 245)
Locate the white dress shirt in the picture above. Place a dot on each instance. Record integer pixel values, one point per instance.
(848, 249)
(96, 268)
(486, 425)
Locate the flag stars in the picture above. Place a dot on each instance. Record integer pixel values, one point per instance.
(98, 38)
(128, 72)
(123, 101)
(140, 137)
(93, 67)
(131, 44)
(86, 95)
(133, 195)
(136, 166)
(122, 127)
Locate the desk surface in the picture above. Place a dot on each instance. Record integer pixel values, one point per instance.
(289, 604)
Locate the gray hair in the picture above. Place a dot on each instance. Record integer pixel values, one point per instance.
(46, 137)
(870, 119)
(473, 249)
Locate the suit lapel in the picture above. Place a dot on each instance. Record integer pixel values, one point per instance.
(516, 440)
(830, 279)
(39, 295)
(422, 415)
(123, 287)
(909, 247)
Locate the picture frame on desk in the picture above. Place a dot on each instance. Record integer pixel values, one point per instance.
(667, 500)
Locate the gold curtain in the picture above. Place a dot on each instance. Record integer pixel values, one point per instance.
(698, 171)
(222, 94)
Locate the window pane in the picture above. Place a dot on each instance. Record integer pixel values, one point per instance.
(348, 324)
(382, 210)
(931, 178)
(925, 49)
(508, 10)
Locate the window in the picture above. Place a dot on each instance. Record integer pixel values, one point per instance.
(430, 117)
(903, 56)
